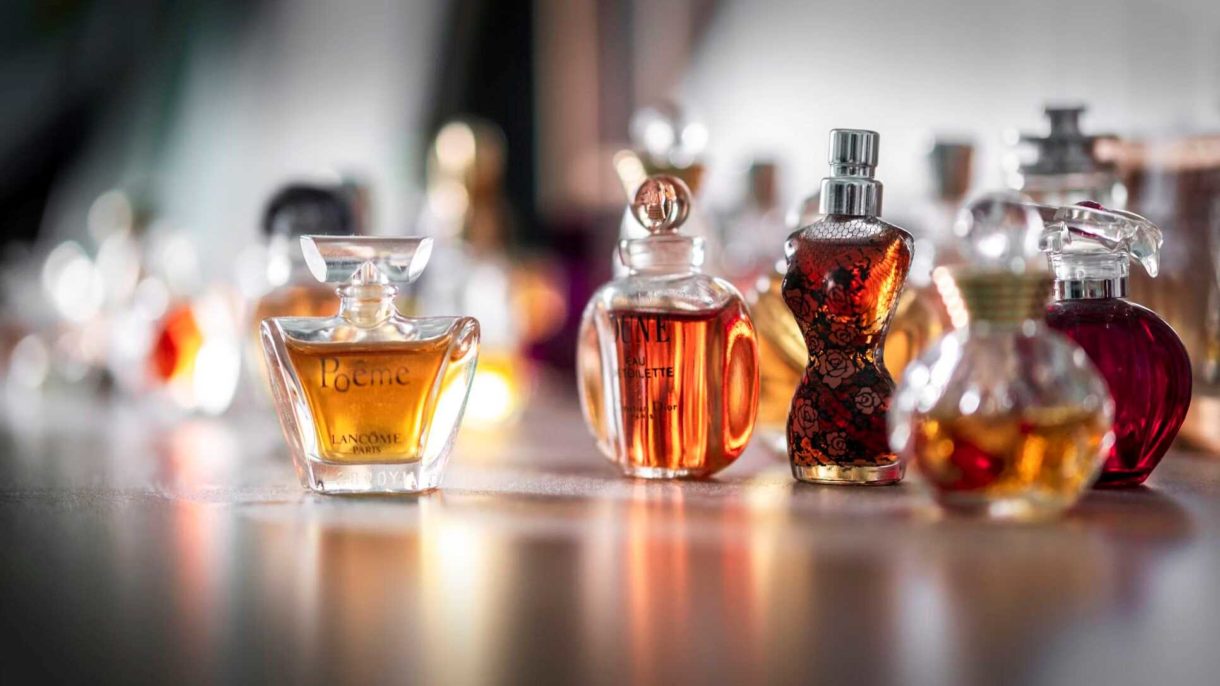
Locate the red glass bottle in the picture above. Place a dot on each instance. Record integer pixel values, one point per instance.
(845, 273)
(1140, 356)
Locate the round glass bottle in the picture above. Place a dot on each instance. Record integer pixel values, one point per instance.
(1140, 356)
(1002, 417)
(668, 356)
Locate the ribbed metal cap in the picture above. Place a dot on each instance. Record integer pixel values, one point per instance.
(851, 189)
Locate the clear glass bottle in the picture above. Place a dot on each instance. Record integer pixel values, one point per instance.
(1002, 417)
(1140, 356)
(845, 274)
(1066, 168)
(668, 358)
(369, 400)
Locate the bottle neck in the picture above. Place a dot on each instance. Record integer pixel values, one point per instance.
(669, 254)
(367, 305)
(1084, 276)
(1088, 289)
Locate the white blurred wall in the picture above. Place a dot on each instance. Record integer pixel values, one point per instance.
(304, 88)
(774, 76)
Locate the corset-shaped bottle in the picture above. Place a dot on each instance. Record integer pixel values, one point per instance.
(1140, 356)
(845, 274)
(369, 400)
(668, 358)
(1002, 417)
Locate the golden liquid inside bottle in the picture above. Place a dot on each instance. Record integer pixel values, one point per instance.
(917, 324)
(1040, 461)
(688, 389)
(306, 300)
(372, 403)
(782, 357)
(589, 381)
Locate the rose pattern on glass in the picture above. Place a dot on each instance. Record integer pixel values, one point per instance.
(842, 285)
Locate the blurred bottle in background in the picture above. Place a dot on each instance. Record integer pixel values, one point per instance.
(1175, 182)
(665, 139)
(472, 273)
(1066, 166)
(756, 230)
(274, 272)
(921, 317)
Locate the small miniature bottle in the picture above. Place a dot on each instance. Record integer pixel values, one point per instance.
(1140, 356)
(1002, 417)
(369, 400)
(667, 359)
(845, 273)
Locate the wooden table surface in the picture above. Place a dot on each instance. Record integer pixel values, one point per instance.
(186, 553)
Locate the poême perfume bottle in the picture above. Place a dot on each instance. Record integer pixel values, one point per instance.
(1140, 356)
(1002, 417)
(369, 401)
(845, 274)
(668, 358)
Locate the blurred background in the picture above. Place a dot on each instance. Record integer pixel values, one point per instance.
(157, 160)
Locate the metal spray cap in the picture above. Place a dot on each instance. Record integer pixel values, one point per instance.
(851, 189)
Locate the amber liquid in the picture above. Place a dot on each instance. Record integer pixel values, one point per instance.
(918, 322)
(687, 388)
(372, 403)
(310, 300)
(781, 360)
(1038, 463)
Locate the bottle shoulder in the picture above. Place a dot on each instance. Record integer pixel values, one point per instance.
(841, 228)
(688, 292)
(1098, 321)
(337, 331)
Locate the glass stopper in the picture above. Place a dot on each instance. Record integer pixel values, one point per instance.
(661, 204)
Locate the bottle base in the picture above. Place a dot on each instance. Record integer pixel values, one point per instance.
(372, 479)
(849, 475)
(1121, 479)
(664, 473)
(1024, 509)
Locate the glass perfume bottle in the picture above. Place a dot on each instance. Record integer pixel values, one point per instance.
(1002, 417)
(1140, 356)
(667, 359)
(845, 274)
(370, 400)
(1066, 167)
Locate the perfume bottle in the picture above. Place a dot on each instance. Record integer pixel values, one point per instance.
(369, 400)
(920, 318)
(1142, 359)
(1002, 417)
(667, 139)
(467, 212)
(668, 359)
(1066, 167)
(845, 275)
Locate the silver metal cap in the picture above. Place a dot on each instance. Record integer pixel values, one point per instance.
(851, 189)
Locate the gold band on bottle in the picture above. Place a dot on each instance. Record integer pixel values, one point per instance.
(998, 297)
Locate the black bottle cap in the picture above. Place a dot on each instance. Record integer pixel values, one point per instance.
(301, 209)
